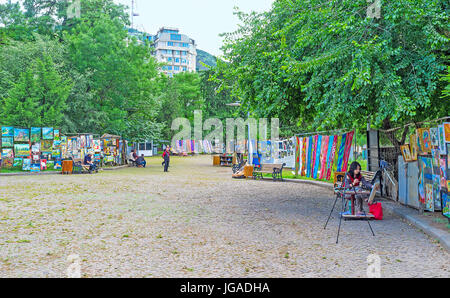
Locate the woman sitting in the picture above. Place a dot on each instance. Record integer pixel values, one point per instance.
(355, 179)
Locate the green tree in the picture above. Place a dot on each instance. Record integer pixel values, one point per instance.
(22, 107)
(325, 64)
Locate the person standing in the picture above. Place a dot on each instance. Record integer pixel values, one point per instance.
(166, 156)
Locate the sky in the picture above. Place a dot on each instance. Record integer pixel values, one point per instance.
(201, 20)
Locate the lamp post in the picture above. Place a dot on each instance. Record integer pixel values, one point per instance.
(250, 152)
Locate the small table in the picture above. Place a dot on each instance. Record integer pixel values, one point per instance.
(345, 194)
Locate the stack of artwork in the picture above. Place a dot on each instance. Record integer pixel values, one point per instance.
(24, 148)
(431, 147)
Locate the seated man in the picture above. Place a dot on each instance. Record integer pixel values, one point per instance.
(140, 161)
(88, 162)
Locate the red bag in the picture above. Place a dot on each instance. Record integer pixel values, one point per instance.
(377, 211)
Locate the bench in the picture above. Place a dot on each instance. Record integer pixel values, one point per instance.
(339, 177)
(275, 169)
(80, 168)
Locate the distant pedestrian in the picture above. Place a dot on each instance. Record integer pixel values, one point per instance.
(166, 156)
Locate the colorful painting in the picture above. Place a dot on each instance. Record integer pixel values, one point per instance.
(445, 205)
(406, 153)
(447, 132)
(47, 133)
(26, 166)
(426, 140)
(413, 147)
(7, 163)
(443, 174)
(56, 135)
(21, 135)
(429, 202)
(441, 137)
(43, 165)
(7, 131)
(35, 168)
(18, 162)
(434, 137)
(435, 157)
(36, 148)
(46, 146)
(436, 193)
(7, 142)
(57, 165)
(56, 144)
(22, 150)
(7, 153)
(35, 134)
(56, 153)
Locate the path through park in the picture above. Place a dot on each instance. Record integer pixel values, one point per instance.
(194, 221)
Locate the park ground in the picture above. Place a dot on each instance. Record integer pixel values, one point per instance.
(195, 221)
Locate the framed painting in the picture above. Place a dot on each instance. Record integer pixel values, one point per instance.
(18, 162)
(441, 140)
(406, 152)
(7, 153)
(56, 135)
(413, 147)
(47, 146)
(47, 133)
(429, 202)
(447, 132)
(7, 131)
(7, 142)
(35, 135)
(26, 164)
(7, 163)
(22, 150)
(21, 135)
(434, 137)
(445, 205)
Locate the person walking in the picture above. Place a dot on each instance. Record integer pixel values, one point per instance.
(166, 156)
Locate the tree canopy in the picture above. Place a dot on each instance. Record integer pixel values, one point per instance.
(326, 64)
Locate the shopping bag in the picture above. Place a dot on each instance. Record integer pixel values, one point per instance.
(377, 210)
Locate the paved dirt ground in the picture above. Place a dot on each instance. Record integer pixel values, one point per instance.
(194, 221)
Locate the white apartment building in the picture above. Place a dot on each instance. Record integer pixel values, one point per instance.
(177, 51)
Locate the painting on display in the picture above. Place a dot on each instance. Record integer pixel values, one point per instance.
(447, 132)
(56, 135)
(47, 133)
(429, 202)
(57, 165)
(445, 205)
(406, 152)
(413, 147)
(35, 135)
(7, 153)
(18, 162)
(36, 148)
(21, 135)
(7, 142)
(35, 168)
(434, 137)
(441, 139)
(22, 150)
(46, 146)
(7, 163)
(425, 141)
(26, 164)
(443, 174)
(436, 193)
(7, 131)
